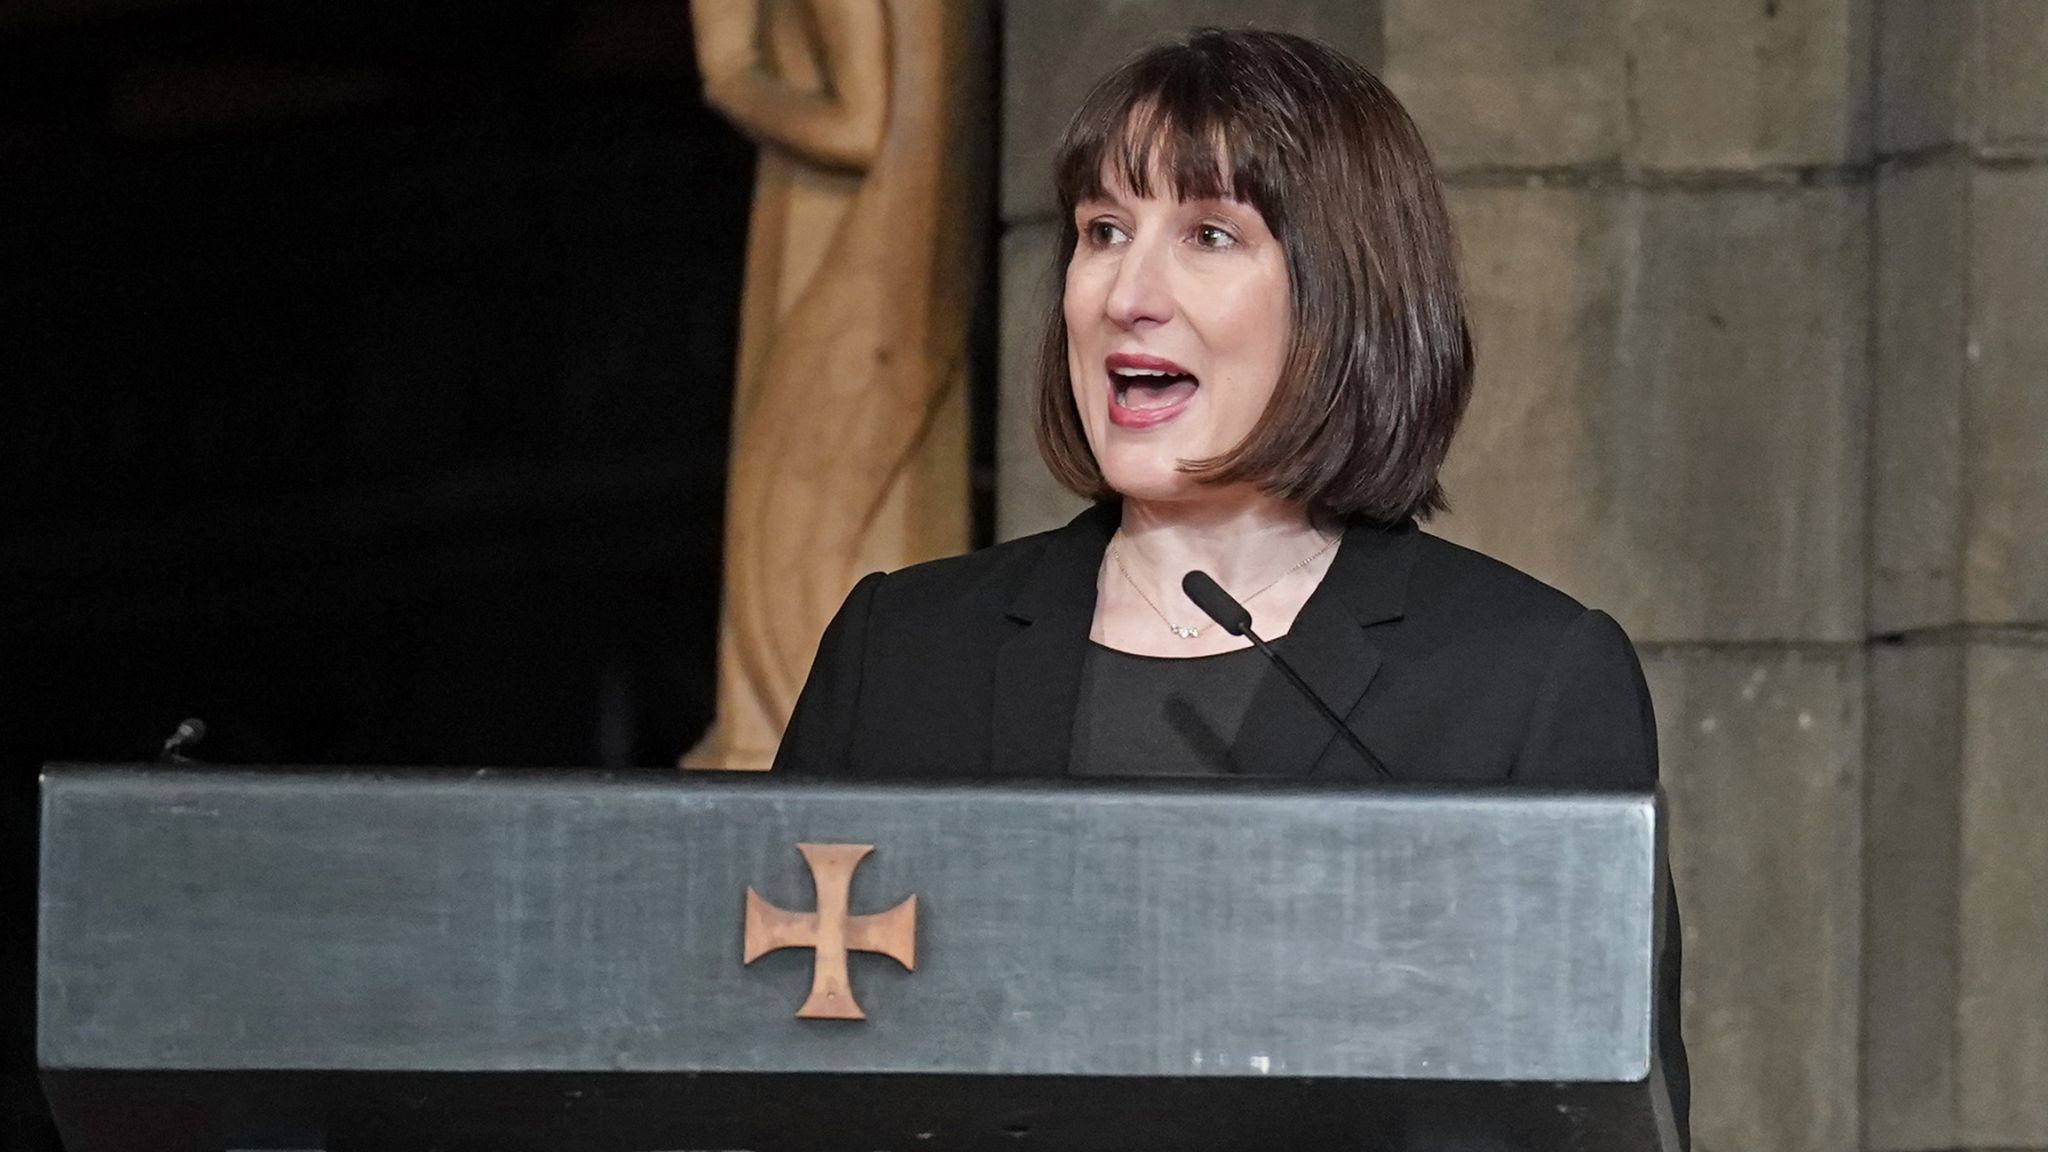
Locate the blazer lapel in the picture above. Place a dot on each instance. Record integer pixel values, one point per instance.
(1038, 669)
(1283, 734)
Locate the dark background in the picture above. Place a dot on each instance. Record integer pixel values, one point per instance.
(365, 368)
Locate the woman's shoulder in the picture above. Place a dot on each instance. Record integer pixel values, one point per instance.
(1461, 596)
(1490, 590)
(985, 579)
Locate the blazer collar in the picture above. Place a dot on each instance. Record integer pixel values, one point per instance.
(1038, 669)
(1367, 584)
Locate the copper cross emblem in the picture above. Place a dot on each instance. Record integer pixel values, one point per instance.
(830, 931)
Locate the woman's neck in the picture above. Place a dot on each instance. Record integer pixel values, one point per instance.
(1240, 542)
(1265, 552)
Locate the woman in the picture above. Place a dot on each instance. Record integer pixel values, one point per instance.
(1255, 369)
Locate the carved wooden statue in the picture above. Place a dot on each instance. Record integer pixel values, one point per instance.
(849, 425)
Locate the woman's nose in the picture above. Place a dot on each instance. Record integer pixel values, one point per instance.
(1140, 293)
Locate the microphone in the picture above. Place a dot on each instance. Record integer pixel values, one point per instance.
(1235, 619)
(189, 732)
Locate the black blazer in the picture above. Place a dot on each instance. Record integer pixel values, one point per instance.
(1450, 666)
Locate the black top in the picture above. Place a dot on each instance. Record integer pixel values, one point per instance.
(1450, 666)
(1162, 715)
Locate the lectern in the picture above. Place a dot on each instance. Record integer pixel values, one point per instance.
(371, 960)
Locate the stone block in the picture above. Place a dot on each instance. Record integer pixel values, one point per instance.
(1055, 50)
(1917, 446)
(1662, 84)
(1670, 421)
(2007, 408)
(1543, 270)
(1027, 499)
(1924, 53)
(1955, 1002)
(1742, 86)
(1963, 72)
(1959, 527)
(2012, 90)
(1742, 404)
(1761, 749)
(1510, 83)
(1911, 854)
(2002, 1025)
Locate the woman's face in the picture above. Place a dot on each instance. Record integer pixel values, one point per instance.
(1178, 323)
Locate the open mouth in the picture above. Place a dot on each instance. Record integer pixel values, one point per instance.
(1147, 387)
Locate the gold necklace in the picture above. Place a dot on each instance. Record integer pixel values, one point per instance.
(1182, 630)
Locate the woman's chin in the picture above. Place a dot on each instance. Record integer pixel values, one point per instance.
(1151, 484)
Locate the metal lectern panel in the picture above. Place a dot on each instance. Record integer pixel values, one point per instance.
(578, 923)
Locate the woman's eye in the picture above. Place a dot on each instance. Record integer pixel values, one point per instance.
(1211, 236)
(1101, 233)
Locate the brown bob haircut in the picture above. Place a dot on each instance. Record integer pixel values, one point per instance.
(1380, 365)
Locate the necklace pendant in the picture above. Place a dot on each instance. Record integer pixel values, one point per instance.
(1185, 632)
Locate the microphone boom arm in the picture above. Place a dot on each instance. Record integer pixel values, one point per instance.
(1235, 619)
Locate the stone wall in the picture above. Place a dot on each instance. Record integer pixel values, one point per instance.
(1956, 940)
(1670, 266)
(1760, 294)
